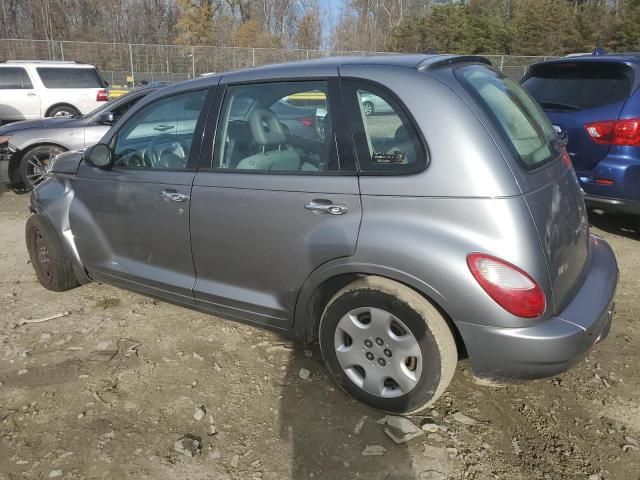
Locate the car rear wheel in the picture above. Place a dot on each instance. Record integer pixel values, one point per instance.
(47, 255)
(34, 163)
(63, 111)
(368, 108)
(387, 346)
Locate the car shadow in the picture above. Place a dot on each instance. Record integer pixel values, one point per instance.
(617, 224)
(318, 420)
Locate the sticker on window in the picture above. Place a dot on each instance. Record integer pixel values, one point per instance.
(389, 158)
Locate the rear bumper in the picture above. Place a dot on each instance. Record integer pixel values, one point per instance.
(614, 205)
(554, 345)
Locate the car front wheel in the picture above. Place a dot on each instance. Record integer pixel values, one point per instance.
(34, 163)
(47, 255)
(387, 346)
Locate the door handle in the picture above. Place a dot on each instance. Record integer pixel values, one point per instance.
(321, 207)
(174, 196)
(32, 94)
(163, 128)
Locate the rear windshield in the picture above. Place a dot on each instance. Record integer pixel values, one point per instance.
(579, 86)
(60, 77)
(521, 120)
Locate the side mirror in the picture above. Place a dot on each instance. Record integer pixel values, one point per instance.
(98, 156)
(106, 118)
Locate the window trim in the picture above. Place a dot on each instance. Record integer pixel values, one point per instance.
(350, 102)
(556, 150)
(23, 75)
(196, 145)
(209, 150)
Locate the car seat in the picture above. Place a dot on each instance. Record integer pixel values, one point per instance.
(268, 133)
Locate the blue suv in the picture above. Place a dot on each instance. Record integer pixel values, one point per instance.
(594, 100)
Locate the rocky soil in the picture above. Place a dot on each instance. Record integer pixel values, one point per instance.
(114, 385)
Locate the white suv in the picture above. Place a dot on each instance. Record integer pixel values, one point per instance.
(35, 89)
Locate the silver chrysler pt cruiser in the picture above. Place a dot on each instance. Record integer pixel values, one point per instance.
(449, 225)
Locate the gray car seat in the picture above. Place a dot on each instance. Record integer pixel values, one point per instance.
(404, 145)
(268, 133)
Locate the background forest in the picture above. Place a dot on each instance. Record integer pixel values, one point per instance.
(517, 27)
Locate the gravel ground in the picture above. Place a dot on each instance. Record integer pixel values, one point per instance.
(106, 390)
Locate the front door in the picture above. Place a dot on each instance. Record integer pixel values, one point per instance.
(276, 201)
(131, 223)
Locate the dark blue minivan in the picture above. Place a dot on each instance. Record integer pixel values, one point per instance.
(594, 100)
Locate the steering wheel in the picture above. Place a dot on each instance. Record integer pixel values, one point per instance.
(161, 144)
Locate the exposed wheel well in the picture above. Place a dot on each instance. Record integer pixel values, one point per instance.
(60, 105)
(327, 289)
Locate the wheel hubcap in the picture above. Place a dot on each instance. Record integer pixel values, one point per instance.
(378, 352)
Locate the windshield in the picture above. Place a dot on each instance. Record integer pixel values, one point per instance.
(579, 86)
(523, 122)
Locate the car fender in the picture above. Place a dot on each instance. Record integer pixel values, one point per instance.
(52, 200)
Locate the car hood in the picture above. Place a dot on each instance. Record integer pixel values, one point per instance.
(67, 162)
(42, 123)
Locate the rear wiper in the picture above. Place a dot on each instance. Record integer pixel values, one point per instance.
(559, 106)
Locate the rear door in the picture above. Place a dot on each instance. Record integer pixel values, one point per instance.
(272, 203)
(18, 99)
(574, 94)
(543, 171)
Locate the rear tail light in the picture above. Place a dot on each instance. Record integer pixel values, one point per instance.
(603, 181)
(102, 95)
(307, 122)
(510, 287)
(615, 132)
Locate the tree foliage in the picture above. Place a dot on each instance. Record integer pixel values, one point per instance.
(519, 27)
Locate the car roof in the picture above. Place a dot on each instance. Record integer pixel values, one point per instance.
(410, 61)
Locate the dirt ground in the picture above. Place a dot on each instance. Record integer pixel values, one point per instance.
(105, 391)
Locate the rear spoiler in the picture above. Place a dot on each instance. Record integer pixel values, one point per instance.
(439, 61)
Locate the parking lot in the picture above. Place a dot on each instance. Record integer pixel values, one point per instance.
(105, 390)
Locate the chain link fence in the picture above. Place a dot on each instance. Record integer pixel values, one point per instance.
(121, 62)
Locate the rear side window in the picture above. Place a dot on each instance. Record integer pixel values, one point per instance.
(579, 86)
(386, 140)
(14, 78)
(60, 77)
(522, 121)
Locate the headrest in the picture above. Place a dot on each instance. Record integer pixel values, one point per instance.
(402, 134)
(266, 127)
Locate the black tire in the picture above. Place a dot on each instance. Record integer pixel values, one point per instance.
(368, 108)
(49, 260)
(63, 111)
(33, 163)
(436, 342)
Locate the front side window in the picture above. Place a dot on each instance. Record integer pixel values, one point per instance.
(386, 140)
(60, 77)
(270, 127)
(159, 136)
(525, 125)
(14, 78)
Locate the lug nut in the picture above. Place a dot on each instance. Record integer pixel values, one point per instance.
(382, 362)
(368, 343)
(369, 356)
(387, 353)
(379, 341)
